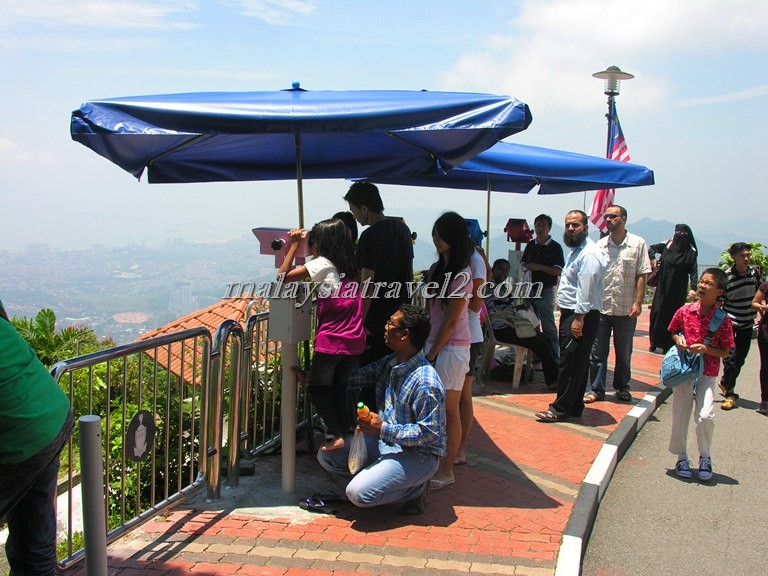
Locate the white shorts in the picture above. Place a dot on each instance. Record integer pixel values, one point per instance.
(451, 366)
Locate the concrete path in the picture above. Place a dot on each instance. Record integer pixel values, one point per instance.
(652, 523)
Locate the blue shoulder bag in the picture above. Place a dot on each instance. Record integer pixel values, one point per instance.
(680, 366)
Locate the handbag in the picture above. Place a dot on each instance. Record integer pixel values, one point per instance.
(518, 320)
(653, 276)
(680, 366)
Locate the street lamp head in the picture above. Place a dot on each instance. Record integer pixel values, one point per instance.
(612, 75)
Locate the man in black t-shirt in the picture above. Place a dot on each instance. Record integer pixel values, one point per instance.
(384, 255)
(543, 257)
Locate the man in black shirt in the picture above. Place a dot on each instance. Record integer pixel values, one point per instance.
(385, 259)
(743, 282)
(543, 257)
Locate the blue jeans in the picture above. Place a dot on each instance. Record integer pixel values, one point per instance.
(545, 310)
(27, 494)
(392, 474)
(623, 328)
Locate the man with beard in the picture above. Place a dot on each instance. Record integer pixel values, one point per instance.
(628, 266)
(579, 297)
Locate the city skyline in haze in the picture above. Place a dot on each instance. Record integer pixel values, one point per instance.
(694, 113)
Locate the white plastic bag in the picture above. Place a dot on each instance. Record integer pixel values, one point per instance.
(358, 453)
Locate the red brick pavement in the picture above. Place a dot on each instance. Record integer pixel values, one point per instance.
(505, 514)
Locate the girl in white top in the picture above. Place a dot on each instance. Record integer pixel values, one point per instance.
(448, 289)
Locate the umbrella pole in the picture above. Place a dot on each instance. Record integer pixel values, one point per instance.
(299, 179)
(488, 221)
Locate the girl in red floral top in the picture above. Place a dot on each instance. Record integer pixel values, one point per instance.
(689, 328)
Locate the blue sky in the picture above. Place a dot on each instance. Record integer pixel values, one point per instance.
(695, 113)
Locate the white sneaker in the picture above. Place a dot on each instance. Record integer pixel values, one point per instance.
(705, 468)
(683, 469)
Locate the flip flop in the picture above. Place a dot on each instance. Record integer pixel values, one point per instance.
(440, 484)
(328, 497)
(547, 416)
(316, 505)
(460, 462)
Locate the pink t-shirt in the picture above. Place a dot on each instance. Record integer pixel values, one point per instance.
(460, 287)
(339, 310)
(694, 327)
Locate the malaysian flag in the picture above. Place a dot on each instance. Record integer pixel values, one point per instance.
(617, 151)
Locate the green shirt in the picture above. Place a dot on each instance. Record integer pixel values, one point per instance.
(32, 406)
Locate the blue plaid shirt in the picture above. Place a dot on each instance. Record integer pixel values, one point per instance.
(411, 404)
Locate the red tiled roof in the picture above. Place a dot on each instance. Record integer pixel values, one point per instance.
(210, 318)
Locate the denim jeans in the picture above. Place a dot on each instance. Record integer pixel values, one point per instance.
(392, 474)
(545, 310)
(735, 360)
(27, 495)
(623, 328)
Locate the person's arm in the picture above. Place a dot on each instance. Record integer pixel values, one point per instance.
(428, 408)
(758, 302)
(694, 274)
(480, 251)
(456, 307)
(367, 277)
(551, 270)
(298, 237)
(637, 305)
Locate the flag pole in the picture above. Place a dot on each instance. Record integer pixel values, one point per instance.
(612, 76)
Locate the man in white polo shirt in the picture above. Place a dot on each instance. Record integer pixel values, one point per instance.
(625, 276)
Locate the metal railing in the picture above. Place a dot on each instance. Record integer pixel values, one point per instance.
(260, 392)
(213, 402)
(168, 377)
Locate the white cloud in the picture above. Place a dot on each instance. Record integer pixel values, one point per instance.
(278, 12)
(550, 48)
(157, 14)
(10, 153)
(749, 93)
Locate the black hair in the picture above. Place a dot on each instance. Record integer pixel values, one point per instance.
(546, 217)
(584, 218)
(349, 222)
(363, 193)
(416, 321)
(737, 247)
(331, 239)
(451, 229)
(721, 278)
(622, 210)
(499, 262)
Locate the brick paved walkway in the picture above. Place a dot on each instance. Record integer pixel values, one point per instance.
(505, 514)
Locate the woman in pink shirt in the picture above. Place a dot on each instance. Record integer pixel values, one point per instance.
(339, 336)
(448, 288)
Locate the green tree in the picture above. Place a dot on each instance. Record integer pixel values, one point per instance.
(756, 258)
(52, 345)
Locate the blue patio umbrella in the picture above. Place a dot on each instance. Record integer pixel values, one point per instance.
(294, 133)
(518, 168)
(220, 136)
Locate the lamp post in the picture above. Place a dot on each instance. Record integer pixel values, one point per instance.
(612, 76)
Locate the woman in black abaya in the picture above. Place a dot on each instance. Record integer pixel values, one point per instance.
(677, 279)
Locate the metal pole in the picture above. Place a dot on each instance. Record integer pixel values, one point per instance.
(92, 486)
(610, 123)
(290, 358)
(299, 179)
(488, 221)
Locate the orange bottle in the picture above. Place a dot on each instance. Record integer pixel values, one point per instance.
(363, 413)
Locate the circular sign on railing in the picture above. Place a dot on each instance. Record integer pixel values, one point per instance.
(140, 436)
